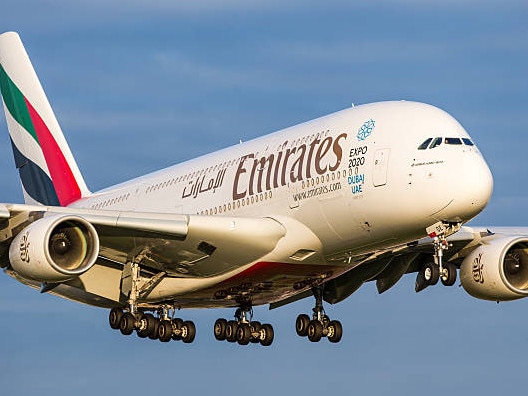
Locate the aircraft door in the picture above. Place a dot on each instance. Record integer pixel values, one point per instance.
(381, 163)
(293, 198)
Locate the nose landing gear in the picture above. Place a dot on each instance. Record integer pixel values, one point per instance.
(431, 272)
(320, 325)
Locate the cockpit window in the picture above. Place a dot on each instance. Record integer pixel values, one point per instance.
(452, 140)
(424, 145)
(436, 142)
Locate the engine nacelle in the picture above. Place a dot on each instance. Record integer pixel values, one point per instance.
(54, 249)
(498, 270)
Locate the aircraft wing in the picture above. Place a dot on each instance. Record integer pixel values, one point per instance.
(182, 245)
(481, 255)
(387, 266)
(167, 247)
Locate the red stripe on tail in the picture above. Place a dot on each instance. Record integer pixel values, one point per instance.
(64, 181)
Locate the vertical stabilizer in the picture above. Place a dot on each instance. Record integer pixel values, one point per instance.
(48, 171)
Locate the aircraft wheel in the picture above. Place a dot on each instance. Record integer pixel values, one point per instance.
(188, 332)
(431, 273)
(449, 274)
(146, 325)
(267, 335)
(301, 325)
(335, 331)
(255, 332)
(231, 329)
(126, 325)
(115, 318)
(315, 331)
(219, 329)
(165, 331)
(243, 334)
(177, 325)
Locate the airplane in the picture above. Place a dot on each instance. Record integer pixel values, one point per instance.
(369, 193)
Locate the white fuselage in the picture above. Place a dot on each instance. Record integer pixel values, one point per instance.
(351, 183)
(356, 178)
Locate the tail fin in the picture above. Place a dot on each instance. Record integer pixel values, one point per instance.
(48, 171)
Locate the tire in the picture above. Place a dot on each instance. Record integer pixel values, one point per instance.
(335, 331)
(267, 337)
(141, 332)
(147, 325)
(315, 331)
(189, 332)
(231, 330)
(243, 334)
(449, 275)
(301, 325)
(126, 324)
(165, 331)
(219, 329)
(177, 325)
(431, 273)
(114, 318)
(255, 332)
(154, 334)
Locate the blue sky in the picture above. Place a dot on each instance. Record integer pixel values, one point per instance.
(141, 85)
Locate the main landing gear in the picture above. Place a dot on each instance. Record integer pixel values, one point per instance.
(243, 330)
(431, 272)
(163, 327)
(146, 325)
(320, 325)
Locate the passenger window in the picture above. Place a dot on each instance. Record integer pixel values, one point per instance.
(436, 142)
(455, 141)
(467, 142)
(424, 145)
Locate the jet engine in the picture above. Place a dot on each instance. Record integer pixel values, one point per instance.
(497, 270)
(54, 249)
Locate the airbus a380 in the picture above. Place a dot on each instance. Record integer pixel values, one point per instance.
(369, 193)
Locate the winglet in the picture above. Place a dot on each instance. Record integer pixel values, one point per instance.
(48, 171)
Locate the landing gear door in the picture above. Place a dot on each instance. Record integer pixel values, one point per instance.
(381, 163)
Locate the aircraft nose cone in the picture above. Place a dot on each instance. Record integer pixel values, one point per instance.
(484, 185)
(472, 183)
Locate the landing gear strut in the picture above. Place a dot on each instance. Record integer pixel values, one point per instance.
(320, 325)
(243, 329)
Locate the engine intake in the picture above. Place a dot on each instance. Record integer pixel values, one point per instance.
(497, 271)
(54, 249)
